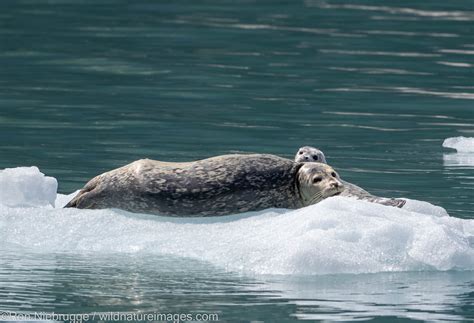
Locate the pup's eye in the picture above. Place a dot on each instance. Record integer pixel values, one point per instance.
(333, 174)
(315, 157)
(317, 179)
(300, 153)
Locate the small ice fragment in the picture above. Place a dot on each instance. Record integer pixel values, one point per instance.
(26, 186)
(461, 144)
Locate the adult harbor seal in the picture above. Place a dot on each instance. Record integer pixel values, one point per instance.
(209, 187)
(311, 154)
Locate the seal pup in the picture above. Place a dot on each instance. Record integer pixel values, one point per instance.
(215, 186)
(311, 154)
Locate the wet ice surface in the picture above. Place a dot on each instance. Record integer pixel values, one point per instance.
(337, 235)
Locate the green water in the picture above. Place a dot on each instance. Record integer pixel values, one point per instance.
(63, 283)
(87, 86)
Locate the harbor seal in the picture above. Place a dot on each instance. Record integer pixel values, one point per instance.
(311, 154)
(215, 186)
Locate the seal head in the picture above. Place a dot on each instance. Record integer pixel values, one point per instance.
(318, 181)
(310, 154)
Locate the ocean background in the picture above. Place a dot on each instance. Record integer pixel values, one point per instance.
(87, 86)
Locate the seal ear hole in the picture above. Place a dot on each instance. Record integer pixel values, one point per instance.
(317, 179)
(333, 174)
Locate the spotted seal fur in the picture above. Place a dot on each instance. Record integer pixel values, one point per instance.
(209, 187)
(311, 154)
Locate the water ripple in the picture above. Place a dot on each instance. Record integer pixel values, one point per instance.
(455, 64)
(408, 90)
(379, 71)
(457, 51)
(451, 95)
(444, 15)
(396, 115)
(408, 33)
(376, 53)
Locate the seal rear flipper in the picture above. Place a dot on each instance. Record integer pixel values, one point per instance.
(71, 203)
(75, 201)
(79, 199)
(394, 202)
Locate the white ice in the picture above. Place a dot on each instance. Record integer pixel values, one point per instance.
(338, 235)
(465, 152)
(27, 186)
(461, 144)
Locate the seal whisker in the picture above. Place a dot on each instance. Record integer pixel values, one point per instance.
(317, 198)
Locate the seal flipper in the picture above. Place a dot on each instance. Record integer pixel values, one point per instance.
(79, 199)
(76, 201)
(393, 202)
(73, 202)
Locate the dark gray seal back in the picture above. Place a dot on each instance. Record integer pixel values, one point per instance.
(214, 186)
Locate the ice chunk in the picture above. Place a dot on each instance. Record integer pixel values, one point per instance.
(26, 186)
(465, 152)
(338, 235)
(461, 144)
(424, 208)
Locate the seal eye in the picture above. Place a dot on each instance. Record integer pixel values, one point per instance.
(317, 180)
(333, 174)
(300, 152)
(315, 157)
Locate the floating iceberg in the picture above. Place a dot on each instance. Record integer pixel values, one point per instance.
(461, 144)
(465, 151)
(338, 235)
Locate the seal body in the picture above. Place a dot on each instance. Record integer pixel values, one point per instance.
(214, 186)
(311, 154)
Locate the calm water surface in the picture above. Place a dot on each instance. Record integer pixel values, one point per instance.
(61, 283)
(86, 86)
